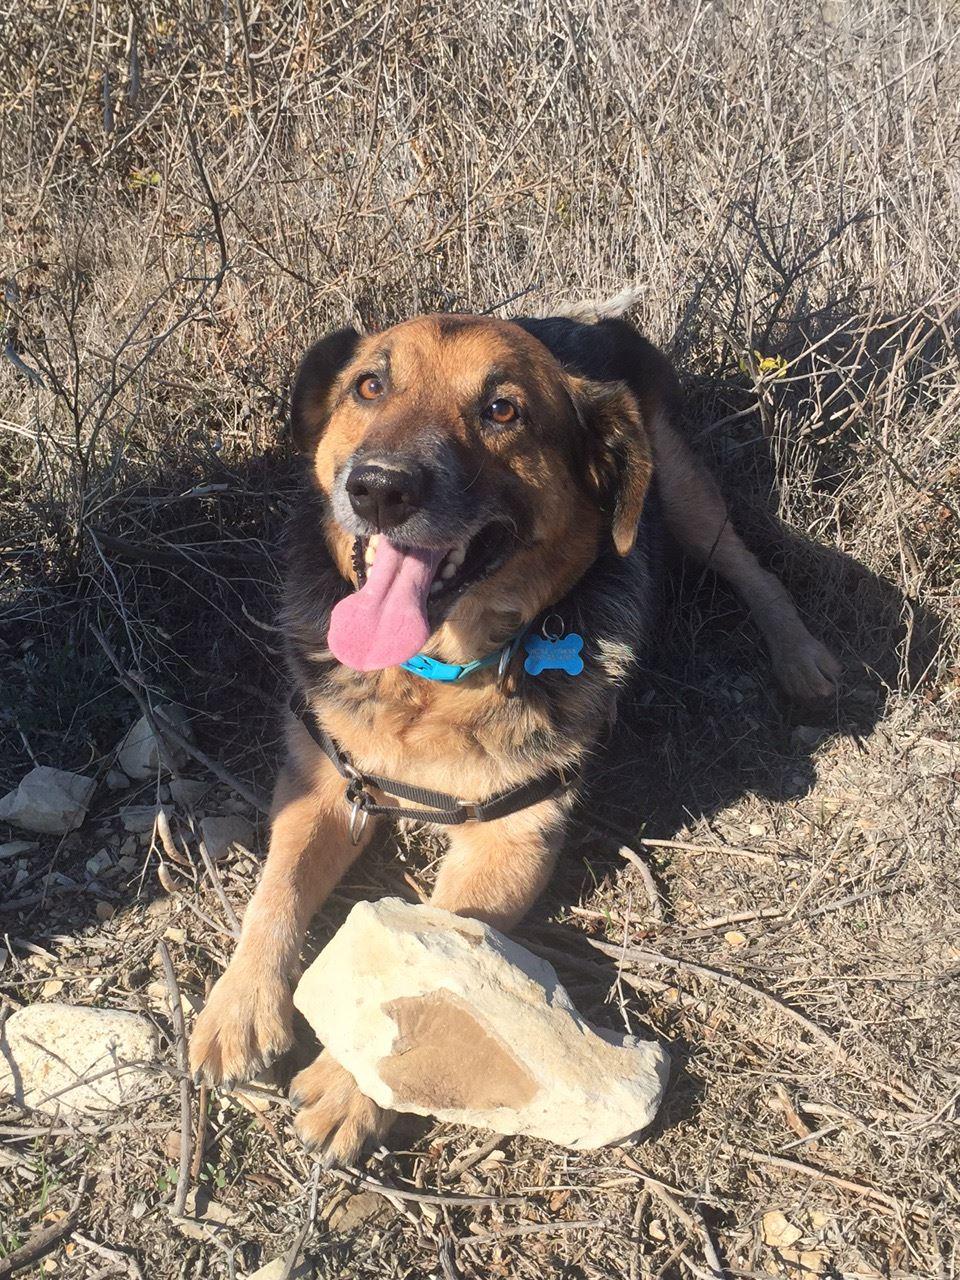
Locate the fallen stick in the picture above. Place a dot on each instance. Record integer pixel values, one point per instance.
(734, 851)
(201, 1139)
(888, 1202)
(39, 1245)
(659, 960)
(646, 875)
(421, 1197)
(535, 1228)
(294, 1251)
(186, 1088)
(119, 1261)
(42, 1242)
(696, 1224)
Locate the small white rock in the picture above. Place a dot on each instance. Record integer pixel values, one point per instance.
(138, 755)
(59, 1057)
(139, 817)
(221, 834)
(187, 792)
(778, 1230)
(99, 863)
(440, 1015)
(13, 848)
(52, 801)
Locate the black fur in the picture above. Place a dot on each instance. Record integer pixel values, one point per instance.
(609, 351)
(316, 375)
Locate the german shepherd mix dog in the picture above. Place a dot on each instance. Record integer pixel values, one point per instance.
(469, 584)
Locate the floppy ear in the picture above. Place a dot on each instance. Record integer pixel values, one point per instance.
(309, 400)
(619, 453)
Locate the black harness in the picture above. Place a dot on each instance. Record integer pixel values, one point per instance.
(433, 806)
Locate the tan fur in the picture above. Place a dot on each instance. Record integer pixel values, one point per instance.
(332, 1113)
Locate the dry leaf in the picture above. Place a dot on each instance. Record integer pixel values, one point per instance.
(778, 1231)
(168, 882)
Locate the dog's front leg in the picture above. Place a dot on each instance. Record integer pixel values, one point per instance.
(247, 1022)
(494, 872)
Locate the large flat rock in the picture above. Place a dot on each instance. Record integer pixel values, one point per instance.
(441, 1015)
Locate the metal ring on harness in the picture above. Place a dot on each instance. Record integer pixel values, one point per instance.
(357, 798)
(553, 627)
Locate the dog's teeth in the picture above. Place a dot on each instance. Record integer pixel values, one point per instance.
(435, 588)
(448, 570)
(373, 541)
(369, 554)
(456, 555)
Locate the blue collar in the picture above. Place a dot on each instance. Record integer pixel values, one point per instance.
(450, 672)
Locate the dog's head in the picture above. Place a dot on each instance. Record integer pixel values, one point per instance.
(479, 478)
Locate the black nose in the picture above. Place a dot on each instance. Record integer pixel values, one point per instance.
(386, 496)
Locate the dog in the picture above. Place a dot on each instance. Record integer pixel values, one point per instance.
(485, 500)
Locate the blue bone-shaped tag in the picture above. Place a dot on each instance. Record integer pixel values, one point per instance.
(546, 654)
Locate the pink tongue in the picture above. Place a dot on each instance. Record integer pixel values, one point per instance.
(385, 622)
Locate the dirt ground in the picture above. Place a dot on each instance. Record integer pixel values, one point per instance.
(191, 194)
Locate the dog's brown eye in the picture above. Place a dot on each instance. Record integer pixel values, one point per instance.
(369, 387)
(501, 412)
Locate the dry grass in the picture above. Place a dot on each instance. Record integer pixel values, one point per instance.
(190, 195)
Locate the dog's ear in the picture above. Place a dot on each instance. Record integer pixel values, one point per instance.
(310, 398)
(619, 454)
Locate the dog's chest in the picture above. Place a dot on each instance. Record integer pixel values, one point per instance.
(472, 741)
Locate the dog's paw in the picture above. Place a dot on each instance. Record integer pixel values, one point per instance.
(333, 1116)
(246, 1024)
(805, 669)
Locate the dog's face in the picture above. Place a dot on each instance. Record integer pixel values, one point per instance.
(475, 475)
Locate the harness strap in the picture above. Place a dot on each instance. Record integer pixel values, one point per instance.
(444, 810)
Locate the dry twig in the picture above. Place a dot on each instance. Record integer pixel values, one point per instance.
(183, 1066)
